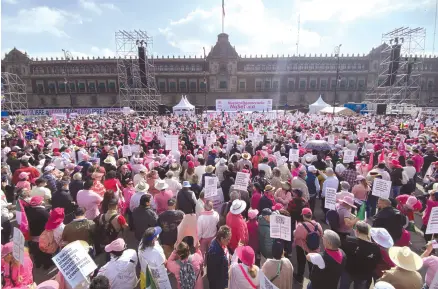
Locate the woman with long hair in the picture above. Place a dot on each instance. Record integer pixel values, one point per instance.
(15, 275)
(244, 275)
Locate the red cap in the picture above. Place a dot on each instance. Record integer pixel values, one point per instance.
(306, 211)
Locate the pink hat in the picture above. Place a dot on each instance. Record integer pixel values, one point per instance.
(36, 201)
(7, 249)
(190, 165)
(116, 246)
(410, 203)
(349, 201)
(246, 255)
(23, 175)
(306, 211)
(49, 284)
(252, 213)
(277, 207)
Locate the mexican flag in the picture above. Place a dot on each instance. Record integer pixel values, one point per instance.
(21, 217)
(362, 214)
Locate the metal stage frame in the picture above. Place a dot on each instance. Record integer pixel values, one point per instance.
(404, 85)
(143, 98)
(13, 93)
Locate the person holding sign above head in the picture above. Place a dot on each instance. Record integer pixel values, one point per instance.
(278, 269)
(14, 274)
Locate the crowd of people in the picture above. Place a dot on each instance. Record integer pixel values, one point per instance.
(104, 179)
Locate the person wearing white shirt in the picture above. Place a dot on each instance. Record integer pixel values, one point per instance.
(207, 226)
(200, 204)
(263, 166)
(174, 184)
(331, 181)
(140, 189)
(41, 190)
(200, 170)
(410, 169)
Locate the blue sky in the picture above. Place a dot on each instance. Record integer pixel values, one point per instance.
(43, 28)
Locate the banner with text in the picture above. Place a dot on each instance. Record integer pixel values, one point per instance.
(243, 104)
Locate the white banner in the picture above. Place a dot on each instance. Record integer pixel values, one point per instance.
(18, 249)
(348, 156)
(280, 227)
(243, 104)
(74, 263)
(210, 187)
(432, 225)
(242, 181)
(381, 188)
(330, 199)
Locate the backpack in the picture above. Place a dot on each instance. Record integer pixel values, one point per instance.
(105, 231)
(47, 243)
(187, 276)
(312, 239)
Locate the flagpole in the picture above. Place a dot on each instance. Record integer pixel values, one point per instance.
(223, 14)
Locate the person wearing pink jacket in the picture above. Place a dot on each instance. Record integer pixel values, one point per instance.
(16, 275)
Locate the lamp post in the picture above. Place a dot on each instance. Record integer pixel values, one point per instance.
(337, 53)
(68, 57)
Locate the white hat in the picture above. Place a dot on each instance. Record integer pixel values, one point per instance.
(161, 185)
(382, 237)
(383, 285)
(237, 207)
(308, 158)
(404, 258)
(142, 187)
(312, 168)
(49, 169)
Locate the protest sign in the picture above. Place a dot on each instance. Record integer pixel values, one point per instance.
(280, 227)
(381, 188)
(432, 225)
(218, 200)
(172, 142)
(348, 156)
(330, 199)
(242, 181)
(270, 134)
(293, 155)
(265, 283)
(18, 249)
(126, 151)
(199, 140)
(135, 149)
(74, 263)
(331, 139)
(210, 187)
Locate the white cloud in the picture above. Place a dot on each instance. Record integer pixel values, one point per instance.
(10, 1)
(40, 20)
(96, 7)
(350, 10)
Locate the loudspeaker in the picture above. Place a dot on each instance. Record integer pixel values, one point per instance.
(162, 109)
(142, 66)
(381, 109)
(393, 65)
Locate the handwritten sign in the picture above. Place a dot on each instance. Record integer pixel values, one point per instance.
(331, 139)
(126, 151)
(381, 188)
(18, 249)
(432, 225)
(280, 227)
(348, 156)
(172, 143)
(74, 263)
(242, 181)
(330, 199)
(211, 186)
(293, 155)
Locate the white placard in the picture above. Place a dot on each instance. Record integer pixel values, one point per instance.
(135, 149)
(417, 125)
(74, 263)
(199, 140)
(217, 200)
(348, 156)
(172, 143)
(330, 199)
(242, 181)
(126, 151)
(280, 227)
(381, 188)
(265, 283)
(270, 134)
(331, 139)
(432, 225)
(210, 187)
(293, 155)
(18, 249)
(160, 276)
(414, 133)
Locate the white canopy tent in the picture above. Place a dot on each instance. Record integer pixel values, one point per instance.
(318, 105)
(338, 111)
(184, 107)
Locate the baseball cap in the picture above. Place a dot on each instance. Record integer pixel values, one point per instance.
(49, 169)
(186, 184)
(116, 246)
(152, 234)
(306, 211)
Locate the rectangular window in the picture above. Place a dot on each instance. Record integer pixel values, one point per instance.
(242, 85)
(302, 84)
(202, 86)
(92, 87)
(40, 88)
(361, 83)
(72, 86)
(81, 87)
(351, 84)
(323, 84)
(172, 86)
(291, 85)
(223, 84)
(52, 88)
(275, 84)
(61, 87)
(162, 86)
(112, 87)
(313, 84)
(333, 84)
(267, 84)
(193, 86)
(343, 84)
(258, 85)
(183, 86)
(430, 85)
(102, 87)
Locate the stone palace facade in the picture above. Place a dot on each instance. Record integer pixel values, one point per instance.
(292, 80)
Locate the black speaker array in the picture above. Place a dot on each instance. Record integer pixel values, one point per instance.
(393, 65)
(142, 66)
(381, 109)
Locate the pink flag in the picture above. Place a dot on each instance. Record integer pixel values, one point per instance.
(382, 156)
(371, 162)
(41, 140)
(21, 217)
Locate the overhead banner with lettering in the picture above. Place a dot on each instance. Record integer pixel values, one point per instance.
(243, 104)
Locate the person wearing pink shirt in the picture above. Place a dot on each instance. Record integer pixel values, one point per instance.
(418, 160)
(16, 275)
(163, 196)
(430, 263)
(89, 200)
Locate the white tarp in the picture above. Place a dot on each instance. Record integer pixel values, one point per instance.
(338, 111)
(184, 107)
(318, 105)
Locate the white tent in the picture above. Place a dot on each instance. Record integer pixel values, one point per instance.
(338, 111)
(318, 105)
(184, 107)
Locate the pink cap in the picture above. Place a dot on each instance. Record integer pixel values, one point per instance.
(23, 175)
(306, 211)
(252, 213)
(116, 246)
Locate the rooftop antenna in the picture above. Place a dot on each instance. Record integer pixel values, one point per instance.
(298, 33)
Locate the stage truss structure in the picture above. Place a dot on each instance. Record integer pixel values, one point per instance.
(141, 98)
(405, 87)
(13, 93)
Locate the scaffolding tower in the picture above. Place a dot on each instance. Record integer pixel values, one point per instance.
(137, 85)
(13, 93)
(400, 85)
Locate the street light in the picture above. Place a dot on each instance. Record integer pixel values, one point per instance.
(337, 53)
(68, 57)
